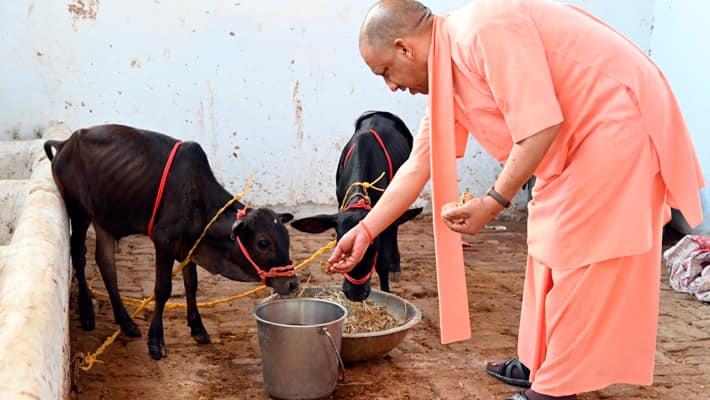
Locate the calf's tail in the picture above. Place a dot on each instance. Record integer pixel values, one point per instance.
(49, 144)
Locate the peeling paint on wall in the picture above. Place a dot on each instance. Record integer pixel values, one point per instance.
(299, 113)
(201, 119)
(213, 126)
(82, 9)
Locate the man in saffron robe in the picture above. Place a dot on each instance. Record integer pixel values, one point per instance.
(549, 90)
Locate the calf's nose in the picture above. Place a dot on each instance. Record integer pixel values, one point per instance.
(356, 292)
(293, 284)
(283, 285)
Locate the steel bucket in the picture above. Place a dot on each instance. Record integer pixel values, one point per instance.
(300, 341)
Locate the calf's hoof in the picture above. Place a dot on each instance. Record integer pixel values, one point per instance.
(87, 318)
(202, 338)
(157, 351)
(130, 329)
(199, 333)
(88, 324)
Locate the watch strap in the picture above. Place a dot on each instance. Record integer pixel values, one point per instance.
(498, 197)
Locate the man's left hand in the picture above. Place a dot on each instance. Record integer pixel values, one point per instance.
(471, 216)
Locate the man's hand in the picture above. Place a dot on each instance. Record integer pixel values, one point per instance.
(470, 216)
(350, 250)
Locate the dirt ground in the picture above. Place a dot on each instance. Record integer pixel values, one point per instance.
(420, 368)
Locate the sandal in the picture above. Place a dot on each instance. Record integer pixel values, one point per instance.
(535, 395)
(506, 372)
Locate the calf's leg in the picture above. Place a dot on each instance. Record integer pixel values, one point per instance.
(106, 260)
(395, 265)
(163, 287)
(79, 224)
(388, 259)
(194, 321)
(382, 269)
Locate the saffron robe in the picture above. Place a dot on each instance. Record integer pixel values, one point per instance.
(622, 156)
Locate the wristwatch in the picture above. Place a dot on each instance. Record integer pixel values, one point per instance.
(497, 197)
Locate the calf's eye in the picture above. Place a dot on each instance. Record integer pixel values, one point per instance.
(263, 244)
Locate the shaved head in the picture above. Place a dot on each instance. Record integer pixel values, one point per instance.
(388, 20)
(395, 39)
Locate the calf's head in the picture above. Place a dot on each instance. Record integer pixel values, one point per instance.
(239, 248)
(356, 284)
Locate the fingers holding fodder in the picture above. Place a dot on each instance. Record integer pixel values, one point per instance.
(448, 210)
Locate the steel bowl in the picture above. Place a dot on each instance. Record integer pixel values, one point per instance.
(373, 345)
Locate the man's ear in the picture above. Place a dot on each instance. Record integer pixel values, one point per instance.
(404, 47)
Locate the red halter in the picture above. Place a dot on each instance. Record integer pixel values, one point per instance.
(364, 205)
(285, 271)
(364, 278)
(161, 188)
(384, 150)
(359, 204)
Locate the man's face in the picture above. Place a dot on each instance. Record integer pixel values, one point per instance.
(399, 67)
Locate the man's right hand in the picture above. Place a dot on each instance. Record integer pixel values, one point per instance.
(350, 250)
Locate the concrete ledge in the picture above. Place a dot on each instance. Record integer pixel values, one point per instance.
(35, 276)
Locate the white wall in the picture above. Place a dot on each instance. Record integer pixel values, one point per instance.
(633, 18)
(270, 86)
(679, 46)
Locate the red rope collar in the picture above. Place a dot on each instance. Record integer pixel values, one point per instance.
(286, 270)
(366, 206)
(242, 212)
(364, 278)
(359, 204)
(161, 188)
(384, 149)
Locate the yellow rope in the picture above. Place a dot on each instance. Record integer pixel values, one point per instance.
(135, 301)
(91, 358)
(364, 186)
(315, 255)
(212, 221)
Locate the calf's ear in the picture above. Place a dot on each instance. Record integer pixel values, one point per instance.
(285, 217)
(315, 224)
(409, 214)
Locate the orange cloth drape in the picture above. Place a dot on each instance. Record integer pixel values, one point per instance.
(455, 324)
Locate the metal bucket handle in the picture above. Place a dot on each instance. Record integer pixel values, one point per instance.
(341, 366)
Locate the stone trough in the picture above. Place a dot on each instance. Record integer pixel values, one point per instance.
(35, 274)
